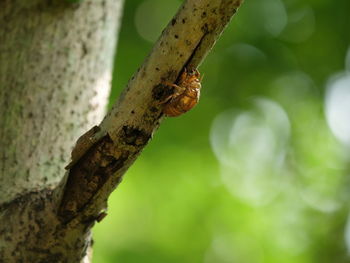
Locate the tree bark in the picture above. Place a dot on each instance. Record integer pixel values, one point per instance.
(55, 69)
(47, 91)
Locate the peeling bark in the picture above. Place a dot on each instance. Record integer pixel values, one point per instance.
(51, 222)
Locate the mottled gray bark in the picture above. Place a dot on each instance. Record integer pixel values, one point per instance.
(63, 53)
(55, 71)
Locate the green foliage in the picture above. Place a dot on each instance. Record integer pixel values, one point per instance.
(74, 1)
(258, 171)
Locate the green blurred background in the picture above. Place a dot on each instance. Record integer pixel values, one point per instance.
(258, 171)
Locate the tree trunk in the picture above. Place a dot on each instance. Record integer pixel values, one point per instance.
(55, 70)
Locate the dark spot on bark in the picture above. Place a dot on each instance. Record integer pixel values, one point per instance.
(101, 216)
(107, 160)
(30, 115)
(84, 50)
(96, 129)
(204, 14)
(213, 10)
(205, 28)
(157, 69)
(176, 36)
(40, 223)
(132, 112)
(119, 179)
(153, 109)
(183, 20)
(39, 206)
(161, 91)
(115, 164)
(88, 223)
(158, 91)
(173, 21)
(134, 136)
(188, 42)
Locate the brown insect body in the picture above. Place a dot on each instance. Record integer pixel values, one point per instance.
(186, 94)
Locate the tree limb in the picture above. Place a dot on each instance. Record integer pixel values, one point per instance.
(103, 154)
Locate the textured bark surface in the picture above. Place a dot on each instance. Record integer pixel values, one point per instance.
(101, 156)
(55, 70)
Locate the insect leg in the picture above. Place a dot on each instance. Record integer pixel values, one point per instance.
(177, 91)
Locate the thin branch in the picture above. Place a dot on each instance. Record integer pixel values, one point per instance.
(102, 155)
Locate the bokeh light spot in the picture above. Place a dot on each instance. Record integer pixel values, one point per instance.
(251, 148)
(275, 15)
(347, 60)
(228, 248)
(301, 25)
(338, 107)
(347, 235)
(246, 54)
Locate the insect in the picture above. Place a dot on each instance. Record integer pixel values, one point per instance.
(185, 96)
